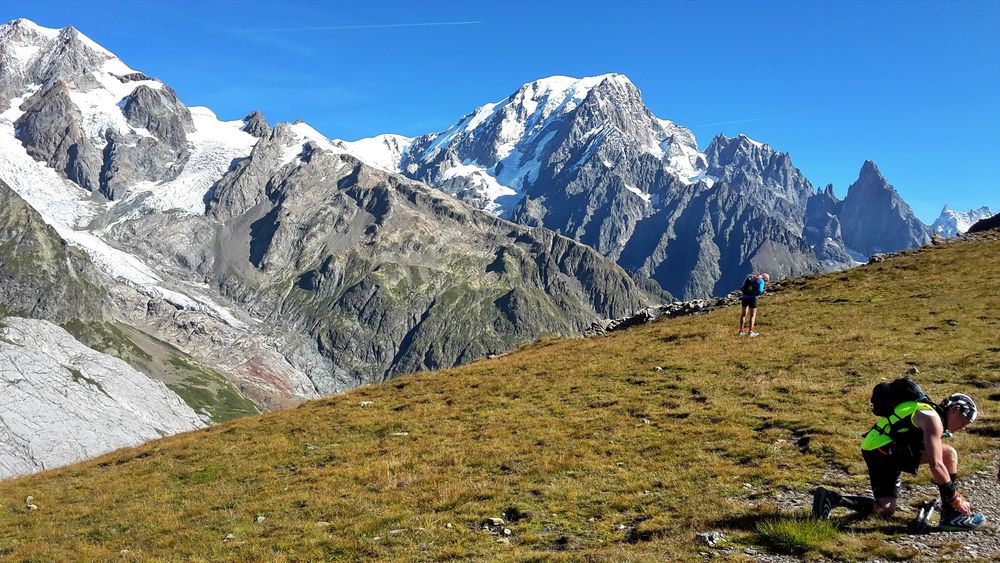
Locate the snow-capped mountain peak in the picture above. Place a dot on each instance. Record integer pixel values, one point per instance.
(491, 155)
(382, 151)
(951, 223)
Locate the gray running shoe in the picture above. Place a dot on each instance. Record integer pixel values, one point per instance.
(754, 333)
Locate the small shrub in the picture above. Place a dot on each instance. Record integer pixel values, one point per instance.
(796, 535)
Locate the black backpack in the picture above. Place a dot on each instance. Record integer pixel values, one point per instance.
(887, 396)
(750, 286)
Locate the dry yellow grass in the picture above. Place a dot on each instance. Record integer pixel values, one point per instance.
(604, 456)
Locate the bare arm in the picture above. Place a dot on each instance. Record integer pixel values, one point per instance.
(930, 423)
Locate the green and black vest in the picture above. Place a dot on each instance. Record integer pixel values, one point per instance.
(897, 427)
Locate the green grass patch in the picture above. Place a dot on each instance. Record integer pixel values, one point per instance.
(208, 392)
(797, 536)
(78, 377)
(108, 338)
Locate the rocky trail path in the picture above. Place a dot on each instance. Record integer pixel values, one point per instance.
(981, 488)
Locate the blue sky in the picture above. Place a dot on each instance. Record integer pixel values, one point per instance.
(912, 85)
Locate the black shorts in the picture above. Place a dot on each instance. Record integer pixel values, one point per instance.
(749, 301)
(887, 463)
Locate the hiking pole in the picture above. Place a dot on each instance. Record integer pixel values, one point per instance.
(922, 525)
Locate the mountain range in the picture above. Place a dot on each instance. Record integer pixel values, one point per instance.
(951, 222)
(587, 159)
(246, 266)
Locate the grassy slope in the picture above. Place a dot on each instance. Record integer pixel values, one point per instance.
(204, 390)
(586, 435)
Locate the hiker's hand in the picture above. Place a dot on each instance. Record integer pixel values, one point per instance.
(959, 503)
(965, 509)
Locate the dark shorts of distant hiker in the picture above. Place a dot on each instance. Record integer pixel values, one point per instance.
(886, 464)
(749, 301)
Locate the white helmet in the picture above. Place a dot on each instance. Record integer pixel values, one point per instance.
(963, 403)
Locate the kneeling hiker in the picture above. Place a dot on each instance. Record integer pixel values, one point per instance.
(907, 436)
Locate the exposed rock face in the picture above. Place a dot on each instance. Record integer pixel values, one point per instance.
(586, 158)
(63, 402)
(138, 135)
(874, 218)
(378, 274)
(703, 241)
(40, 275)
(749, 215)
(51, 132)
(549, 128)
(159, 112)
(387, 277)
(54, 56)
(256, 124)
(951, 223)
(822, 229)
(761, 173)
(156, 156)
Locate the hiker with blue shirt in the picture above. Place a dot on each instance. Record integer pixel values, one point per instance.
(753, 288)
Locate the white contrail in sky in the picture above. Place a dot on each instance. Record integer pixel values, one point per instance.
(734, 122)
(362, 26)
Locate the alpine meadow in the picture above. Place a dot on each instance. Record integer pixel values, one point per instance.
(429, 281)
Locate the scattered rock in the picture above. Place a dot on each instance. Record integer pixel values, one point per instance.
(229, 538)
(260, 519)
(32, 507)
(507, 531)
(29, 499)
(505, 541)
(449, 525)
(366, 404)
(674, 309)
(913, 370)
(400, 433)
(494, 526)
(322, 523)
(658, 368)
(711, 539)
(396, 532)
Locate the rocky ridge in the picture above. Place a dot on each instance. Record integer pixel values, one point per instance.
(43, 277)
(586, 158)
(266, 252)
(951, 222)
(376, 274)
